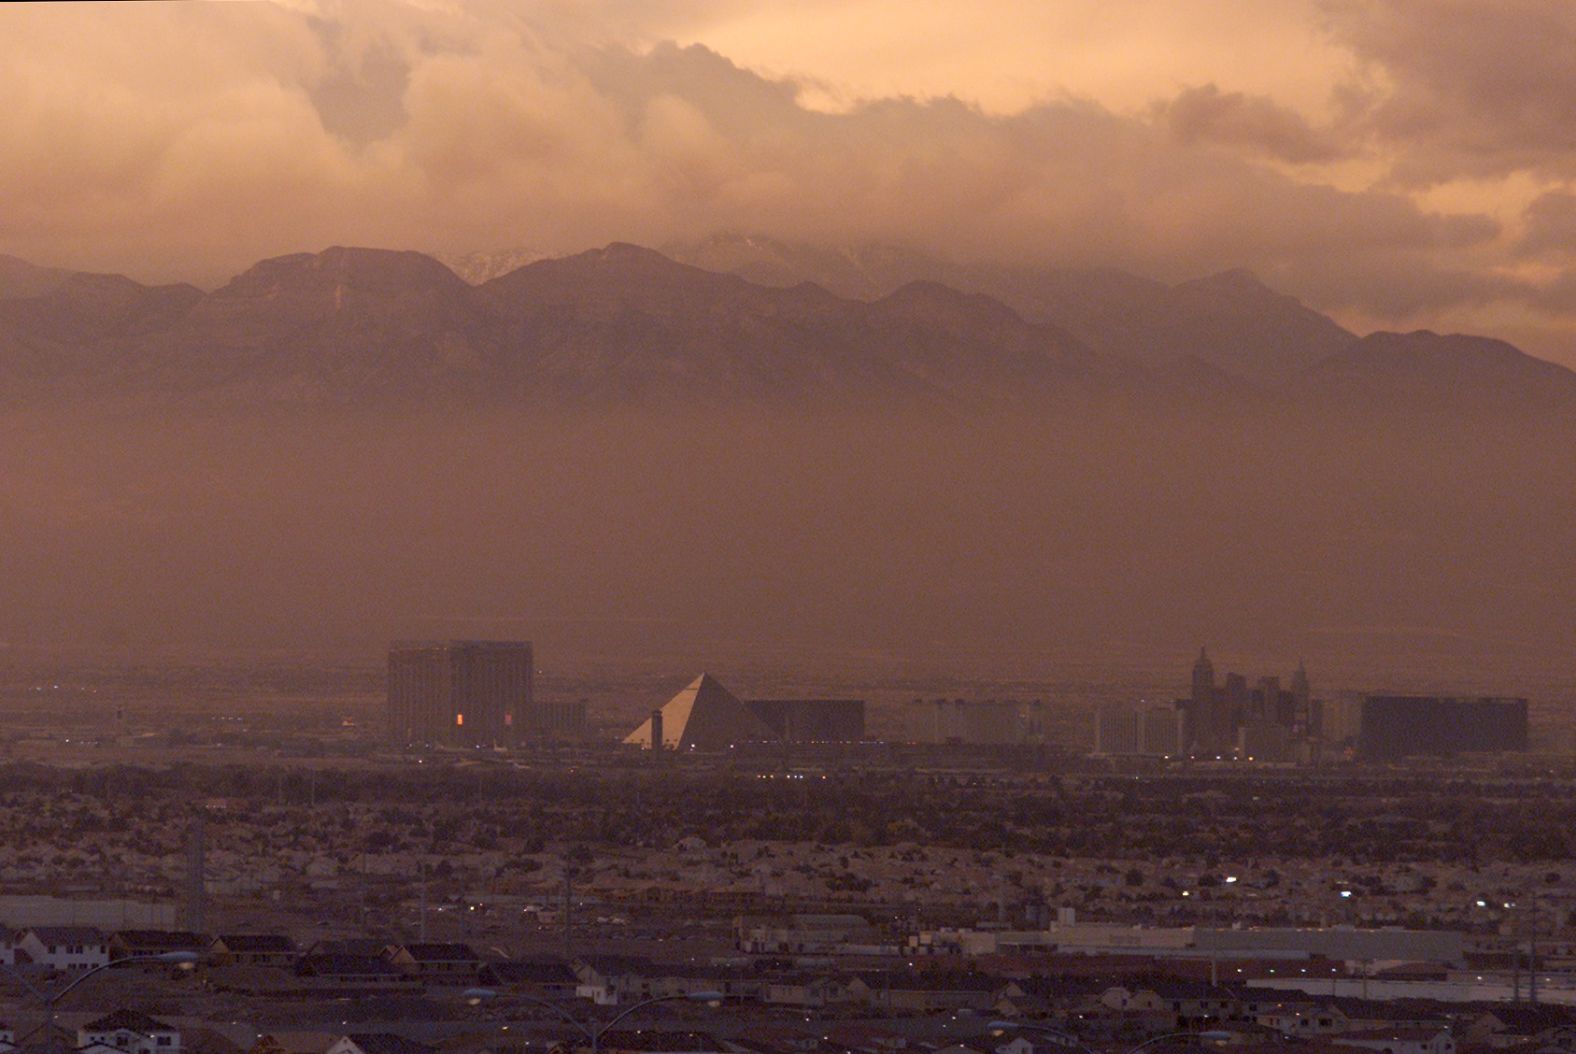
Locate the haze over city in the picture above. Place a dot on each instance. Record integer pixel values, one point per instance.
(1386, 172)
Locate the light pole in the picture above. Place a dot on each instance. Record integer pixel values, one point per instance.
(47, 1000)
(997, 1028)
(594, 1032)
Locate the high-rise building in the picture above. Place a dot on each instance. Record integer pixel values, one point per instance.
(812, 720)
(1216, 715)
(1302, 701)
(1214, 711)
(1267, 701)
(469, 693)
(982, 722)
(1151, 731)
(1203, 680)
(1116, 729)
(1264, 739)
(1395, 726)
(1160, 731)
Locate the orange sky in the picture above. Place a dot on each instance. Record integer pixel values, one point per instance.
(1398, 163)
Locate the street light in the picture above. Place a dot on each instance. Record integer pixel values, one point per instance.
(996, 1028)
(47, 1000)
(594, 1032)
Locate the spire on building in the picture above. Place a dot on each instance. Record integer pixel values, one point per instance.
(1203, 670)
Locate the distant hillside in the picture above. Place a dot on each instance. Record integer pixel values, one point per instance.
(625, 324)
(605, 326)
(341, 323)
(18, 278)
(627, 321)
(478, 267)
(76, 328)
(1426, 371)
(1231, 320)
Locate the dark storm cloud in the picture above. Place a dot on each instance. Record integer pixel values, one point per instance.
(1462, 88)
(1550, 225)
(1253, 122)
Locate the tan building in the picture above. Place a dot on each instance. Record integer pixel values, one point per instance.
(460, 693)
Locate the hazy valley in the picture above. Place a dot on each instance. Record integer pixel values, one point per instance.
(614, 452)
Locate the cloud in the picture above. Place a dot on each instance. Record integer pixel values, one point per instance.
(1549, 225)
(1399, 287)
(185, 142)
(460, 128)
(1463, 89)
(1254, 123)
(1558, 296)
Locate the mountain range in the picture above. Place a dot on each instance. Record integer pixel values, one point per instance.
(731, 317)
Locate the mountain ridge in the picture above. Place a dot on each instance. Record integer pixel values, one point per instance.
(625, 322)
(1231, 319)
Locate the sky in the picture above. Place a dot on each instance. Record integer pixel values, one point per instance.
(1400, 164)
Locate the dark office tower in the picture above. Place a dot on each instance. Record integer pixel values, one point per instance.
(1235, 700)
(1203, 681)
(1301, 701)
(1397, 726)
(462, 693)
(1205, 731)
(812, 720)
(1267, 699)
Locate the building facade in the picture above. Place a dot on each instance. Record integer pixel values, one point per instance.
(812, 720)
(987, 722)
(1116, 730)
(1395, 726)
(460, 693)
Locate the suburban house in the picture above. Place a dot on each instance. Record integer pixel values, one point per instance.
(924, 993)
(1186, 1002)
(609, 979)
(63, 947)
(436, 962)
(376, 1043)
(543, 978)
(1400, 1041)
(353, 974)
(1515, 1025)
(128, 1032)
(127, 943)
(253, 949)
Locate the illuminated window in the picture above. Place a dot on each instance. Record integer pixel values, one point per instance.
(459, 719)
